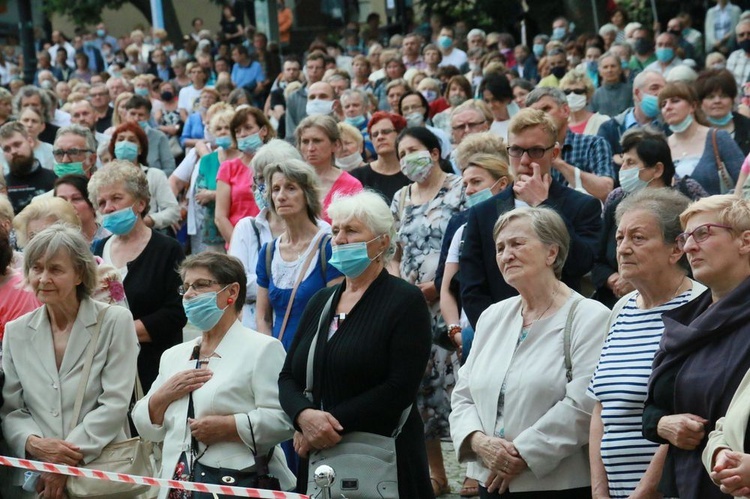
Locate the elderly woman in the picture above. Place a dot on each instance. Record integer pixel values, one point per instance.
(229, 363)
(647, 225)
(614, 94)
(717, 92)
(74, 189)
(704, 352)
(520, 411)
(318, 139)
(422, 211)
(349, 155)
(145, 258)
(129, 143)
(373, 317)
(294, 266)
(250, 129)
(707, 155)
(383, 175)
(37, 416)
(646, 164)
(579, 89)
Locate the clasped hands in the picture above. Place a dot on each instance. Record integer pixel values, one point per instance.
(320, 430)
(731, 472)
(53, 450)
(502, 459)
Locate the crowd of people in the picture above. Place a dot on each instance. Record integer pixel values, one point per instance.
(540, 252)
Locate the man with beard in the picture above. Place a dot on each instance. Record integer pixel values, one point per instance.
(26, 177)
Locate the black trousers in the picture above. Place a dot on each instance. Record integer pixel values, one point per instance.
(243, 8)
(582, 493)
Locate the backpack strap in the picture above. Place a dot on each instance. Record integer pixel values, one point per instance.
(269, 255)
(566, 339)
(323, 257)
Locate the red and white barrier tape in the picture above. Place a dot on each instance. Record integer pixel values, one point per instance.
(143, 480)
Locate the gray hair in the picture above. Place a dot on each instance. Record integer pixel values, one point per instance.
(81, 131)
(548, 226)
(31, 91)
(62, 238)
(302, 174)
(225, 269)
(352, 92)
(124, 173)
(539, 93)
(640, 78)
(607, 28)
(478, 106)
(273, 151)
(370, 208)
(476, 32)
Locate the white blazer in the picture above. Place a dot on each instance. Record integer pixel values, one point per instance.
(39, 398)
(545, 416)
(245, 383)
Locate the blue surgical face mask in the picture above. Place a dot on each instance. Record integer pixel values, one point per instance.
(650, 106)
(126, 150)
(100, 33)
(202, 310)
(259, 193)
(538, 50)
(143, 92)
(558, 33)
(224, 142)
(445, 42)
(630, 180)
(723, 121)
(143, 125)
(62, 169)
(352, 259)
(665, 54)
(479, 196)
(120, 222)
(414, 119)
(683, 125)
(250, 144)
(356, 121)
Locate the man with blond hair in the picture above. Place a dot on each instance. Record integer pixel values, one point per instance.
(532, 148)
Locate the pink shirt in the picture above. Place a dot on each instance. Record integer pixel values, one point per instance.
(344, 185)
(15, 300)
(239, 178)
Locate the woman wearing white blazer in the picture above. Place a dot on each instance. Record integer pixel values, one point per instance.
(232, 373)
(518, 418)
(43, 355)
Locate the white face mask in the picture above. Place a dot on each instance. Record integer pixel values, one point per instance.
(576, 102)
(349, 162)
(319, 107)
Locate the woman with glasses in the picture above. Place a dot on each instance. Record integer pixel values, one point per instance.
(415, 109)
(704, 352)
(578, 89)
(383, 175)
(229, 364)
(422, 211)
(145, 259)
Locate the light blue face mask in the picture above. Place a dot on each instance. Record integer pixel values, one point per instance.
(356, 121)
(143, 125)
(445, 42)
(665, 54)
(630, 180)
(538, 50)
(143, 92)
(683, 125)
(250, 144)
(650, 106)
(259, 193)
(120, 222)
(126, 150)
(352, 259)
(202, 310)
(558, 33)
(224, 142)
(479, 196)
(723, 121)
(62, 169)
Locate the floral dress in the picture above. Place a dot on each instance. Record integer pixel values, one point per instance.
(420, 230)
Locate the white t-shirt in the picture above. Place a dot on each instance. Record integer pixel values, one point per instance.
(188, 97)
(456, 58)
(454, 254)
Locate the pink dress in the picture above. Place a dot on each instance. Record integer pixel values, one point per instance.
(16, 299)
(239, 178)
(344, 185)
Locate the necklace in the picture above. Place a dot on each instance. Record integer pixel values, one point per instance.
(552, 300)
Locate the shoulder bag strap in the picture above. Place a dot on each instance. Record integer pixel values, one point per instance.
(314, 345)
(323, 260)
(269, 256)
(87, 369)
(402, 203)
(720, 167)
(301, 276)
(257, 233)
(566, 339)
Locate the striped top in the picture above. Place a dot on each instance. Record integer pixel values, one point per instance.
(620, 385)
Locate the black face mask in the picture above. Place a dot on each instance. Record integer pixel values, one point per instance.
(677, 34)
(745, 45)
(167, 96)
(558, 71)
(21, 166)
(642, 46)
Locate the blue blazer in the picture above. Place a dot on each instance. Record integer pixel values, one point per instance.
(481, 281)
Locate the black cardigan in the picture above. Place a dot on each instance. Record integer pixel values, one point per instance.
(151, 289)
(368, 372)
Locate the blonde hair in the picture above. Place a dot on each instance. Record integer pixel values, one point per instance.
(220, 115)
(729, 209)
(46, 208)
(347, 131)
(530, 118)
(490, 162)
(579, 77)
(118, 100)
(483, 142)
(477, 105)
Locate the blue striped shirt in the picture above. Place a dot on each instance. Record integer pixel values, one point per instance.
(620, 385)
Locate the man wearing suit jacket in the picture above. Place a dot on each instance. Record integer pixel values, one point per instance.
(533, 146)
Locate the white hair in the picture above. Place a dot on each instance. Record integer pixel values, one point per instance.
(475, 32)
(370, 208)
(273, 151)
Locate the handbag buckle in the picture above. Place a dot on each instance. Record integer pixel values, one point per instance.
(228, 479)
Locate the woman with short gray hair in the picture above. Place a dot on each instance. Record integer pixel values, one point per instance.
(294, 266)
(145, 258)
(38, 415)
(647, 225)
(528, 432)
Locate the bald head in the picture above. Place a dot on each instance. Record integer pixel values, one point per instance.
(320, 90)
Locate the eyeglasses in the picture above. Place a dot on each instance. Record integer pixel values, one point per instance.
(199, 286)
(387, 131)
(700, 234)
(577, 91)
(470, 126)
(59, 154)
(533, 152)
